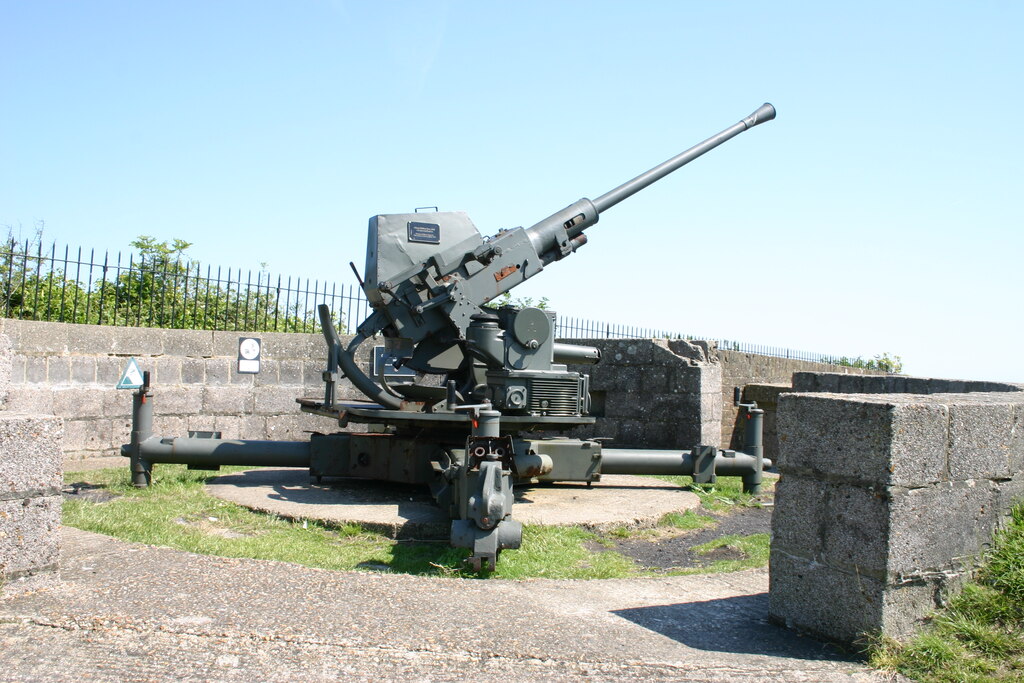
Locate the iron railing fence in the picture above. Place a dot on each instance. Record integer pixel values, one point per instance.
(61, 285)
(65, 285)
(578, 328)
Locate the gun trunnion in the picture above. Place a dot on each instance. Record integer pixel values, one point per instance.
(487, 378)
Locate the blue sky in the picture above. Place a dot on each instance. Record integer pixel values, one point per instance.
(881, 211)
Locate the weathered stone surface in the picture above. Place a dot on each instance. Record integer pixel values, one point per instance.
(30, 452)
(203, 422)
(37, 338)
(189, 344)
(275, 400)
(294, 427)
(798, 520)
(290, 372)
(241, 426)
(275, 345)
(815, 598)
(137, 341)
(178, 400)
(241, 378)
(90, 340)
(227, 400)
(980, 440)
(918, 385)
(1017, 441)
(891, 517)
(58, 370)
(856, 438)
(109, 370)
(120, 433)
(35, 370)
(117, 403)
(17, 370)
(79, 402)
(166, 371)
(6, 363)
(30, 400)
(218, 371)
(193, 370)
(90, 434)
(653, 397)
(170, 425)
(29, 535)
(83, 370)
(269, 374)
(856, 530)
(1010, 493)
(939, 526)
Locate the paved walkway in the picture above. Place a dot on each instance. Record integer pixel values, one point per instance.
(131, 612)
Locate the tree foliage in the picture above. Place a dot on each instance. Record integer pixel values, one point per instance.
(521, 302)
(161, 286)
(884, 362)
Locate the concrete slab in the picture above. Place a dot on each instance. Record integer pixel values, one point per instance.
(128, 612)
(409, 511)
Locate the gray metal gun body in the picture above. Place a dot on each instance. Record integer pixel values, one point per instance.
(429, 278)
(428, 274)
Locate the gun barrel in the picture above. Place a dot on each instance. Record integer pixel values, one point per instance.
(609, 199)
(552, 237)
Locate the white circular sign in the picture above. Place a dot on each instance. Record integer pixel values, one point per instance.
(249, 349)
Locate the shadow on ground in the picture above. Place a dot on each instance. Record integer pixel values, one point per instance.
(738, 625)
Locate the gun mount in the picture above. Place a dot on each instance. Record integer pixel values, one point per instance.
(486, 377)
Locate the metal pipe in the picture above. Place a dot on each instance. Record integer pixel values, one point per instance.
(753, 443)
(630, 461)
(570, 354)
(207, 452)
(142, 430)
(635, 461)
(366, 385)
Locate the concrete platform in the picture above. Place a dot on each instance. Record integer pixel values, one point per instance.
(129, 612)
(409, 512)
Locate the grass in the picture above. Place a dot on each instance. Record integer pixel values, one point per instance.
(177, 512)
(724, 495)
(753, 551)
(979, 636)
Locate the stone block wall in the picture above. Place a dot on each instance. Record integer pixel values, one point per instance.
(843, 383)
(803, 381)
(740, 369)
(653, 393)
(648, 394)
(70, 371)
(885, 502)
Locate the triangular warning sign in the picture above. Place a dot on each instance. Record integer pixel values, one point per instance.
(132, 376)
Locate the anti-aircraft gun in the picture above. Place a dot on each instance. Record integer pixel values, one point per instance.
(487, 378)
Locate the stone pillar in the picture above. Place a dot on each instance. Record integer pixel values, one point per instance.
(654, 393)
(884, 503)
(30, 499)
